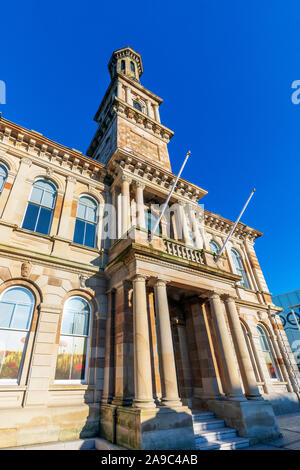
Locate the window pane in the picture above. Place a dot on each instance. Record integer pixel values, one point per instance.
(3, 176)
(81, 211)
(36, 195)
(90, 230)
(48, 199)
(11, 351)
(77, 304)
(30, 217)
(21, 317)
(270, 365)
(79, 232)
(19, 295)
(81, 323)
(67, 322)
(71, 358)
(90, 214)
(44, 220)
(6, 311)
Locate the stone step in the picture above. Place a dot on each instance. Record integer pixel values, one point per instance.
(203, 415)
(224, 444)
(212, 423)
(216, 435)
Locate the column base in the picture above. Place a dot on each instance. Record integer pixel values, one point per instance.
(171, 403)
(141, 404)
(158, 428)
(253, 419)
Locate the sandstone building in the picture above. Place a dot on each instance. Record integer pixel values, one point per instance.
(103, 333)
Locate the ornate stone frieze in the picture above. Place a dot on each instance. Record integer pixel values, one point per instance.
(39, 147)
(218, 223)
(151, 173)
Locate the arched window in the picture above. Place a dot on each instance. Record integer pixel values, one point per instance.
(86, 222)
(72, 359)
(123, 66)
(151, 219)
(3, 176)
(214, 247)
(240, 268)
(132, 67)
(16, 307)
(40, 207)
(267, 352)
(137, 106)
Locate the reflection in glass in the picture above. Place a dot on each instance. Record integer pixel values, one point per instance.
(16, 307)
(73, 342)
(265, 346)
(86, 222)
(40, 207)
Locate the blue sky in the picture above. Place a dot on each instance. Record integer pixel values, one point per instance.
(224, 70)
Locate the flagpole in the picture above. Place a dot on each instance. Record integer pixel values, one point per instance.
(233, 228)
(168, 198)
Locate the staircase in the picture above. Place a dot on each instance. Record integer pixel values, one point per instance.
(212, 433)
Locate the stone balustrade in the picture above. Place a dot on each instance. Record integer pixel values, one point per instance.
(183, 251)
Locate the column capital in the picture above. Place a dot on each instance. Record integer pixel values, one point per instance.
(181, 203)
(125, 179)
(139, 278)
(158, 282)
(214, 295)
(229, 297)
(139, 184)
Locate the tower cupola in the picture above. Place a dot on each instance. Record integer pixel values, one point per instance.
(127, 62)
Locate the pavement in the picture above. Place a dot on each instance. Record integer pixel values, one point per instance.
(289, 425)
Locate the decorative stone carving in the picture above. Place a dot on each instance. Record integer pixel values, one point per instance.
(82, 281)
(26, 269)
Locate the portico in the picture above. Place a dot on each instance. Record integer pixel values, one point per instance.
(184, 349)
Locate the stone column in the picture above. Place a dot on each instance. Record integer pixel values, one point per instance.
(119, 90)
(195, 227)
(125, 203)
(128, 95)
(156, 113)
(143, 392)
(183, 229)
(108, 387)
(227, 359)
(241, 349)
(140, 209)
(66, 228)
(149, 108)
(114, 216)
(167, 360)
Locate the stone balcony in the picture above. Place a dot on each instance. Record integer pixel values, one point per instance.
(164, 248)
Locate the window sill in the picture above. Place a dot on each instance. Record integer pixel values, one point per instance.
(83, 247)
(71, 386)
(13, 387)
(247, 289)
(31, 232)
